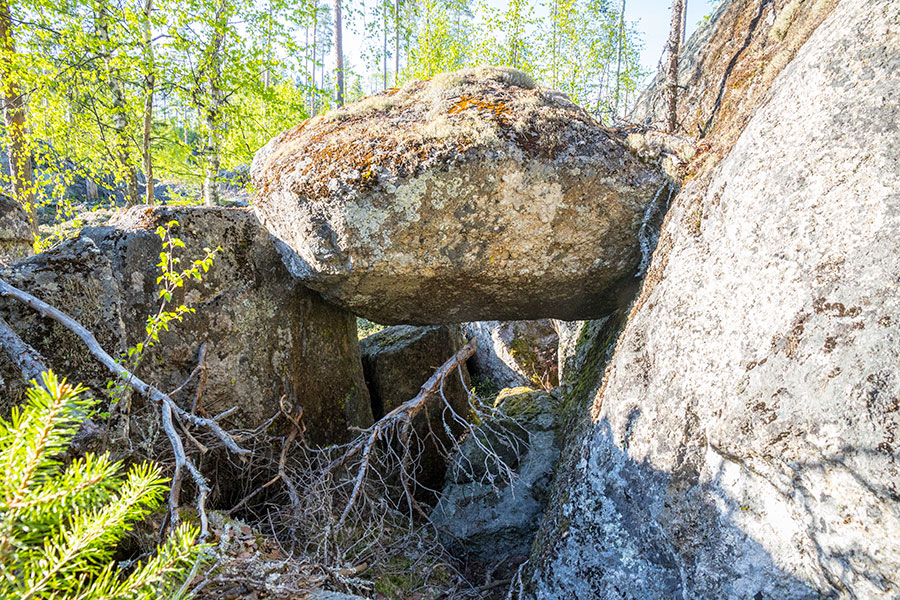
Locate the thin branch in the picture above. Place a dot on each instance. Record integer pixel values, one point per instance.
(115, 368)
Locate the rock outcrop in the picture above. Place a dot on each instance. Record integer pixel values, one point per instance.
(15, 231)
(266, 335)
(515, 353)
(744, 442)
(397, 361)
(471, 196)
(484, 516)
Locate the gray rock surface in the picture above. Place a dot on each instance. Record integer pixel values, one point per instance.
(488, 518)
(266, 334)
(743, 444)
(470, 196)
(397, 361)
(515, 353)
(15, 232)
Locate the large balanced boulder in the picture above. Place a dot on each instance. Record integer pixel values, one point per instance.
(744, 443)
(471, 196)
(266, 336)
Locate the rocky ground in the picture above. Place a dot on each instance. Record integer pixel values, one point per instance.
(720, 422)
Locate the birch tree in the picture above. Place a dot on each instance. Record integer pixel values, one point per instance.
(15, 120)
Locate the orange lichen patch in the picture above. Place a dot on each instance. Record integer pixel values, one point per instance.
(394, 135)
(497, 109)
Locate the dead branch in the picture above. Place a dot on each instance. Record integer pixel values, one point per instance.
(167, 405)
(406, 410)
(201, 385)
(143, 388)
(28, 360)
(400, 415)
(31, 364)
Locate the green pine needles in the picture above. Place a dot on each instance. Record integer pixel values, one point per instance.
(59, 526)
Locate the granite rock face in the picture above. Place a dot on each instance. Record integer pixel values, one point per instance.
(15, 231)
(266, 335)
(397, 361)
(515, 353)
(744, 442)
(471, 196)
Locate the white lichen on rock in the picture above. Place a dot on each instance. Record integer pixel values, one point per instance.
(473, 178)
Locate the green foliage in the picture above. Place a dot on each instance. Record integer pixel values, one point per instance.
(365, 328)
(59, 526)
(581, 47)
(172, 277)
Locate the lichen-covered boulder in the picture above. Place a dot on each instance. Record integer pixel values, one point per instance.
(471, 196)
(484, 515)
(397, 361)
(266, 335)
(515, 353)
(15, 231)
(744, 442)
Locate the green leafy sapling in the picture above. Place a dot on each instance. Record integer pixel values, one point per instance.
(59, 524)
(171, 277)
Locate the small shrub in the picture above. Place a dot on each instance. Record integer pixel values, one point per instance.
(59, 526)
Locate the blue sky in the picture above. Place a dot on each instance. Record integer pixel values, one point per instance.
(652, 19)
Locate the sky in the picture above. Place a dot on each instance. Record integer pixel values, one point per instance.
(651, 18)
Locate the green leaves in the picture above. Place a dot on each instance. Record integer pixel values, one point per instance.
(59, 526)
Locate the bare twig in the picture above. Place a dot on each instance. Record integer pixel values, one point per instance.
(167, 405)
(115, 368)
(201, 385)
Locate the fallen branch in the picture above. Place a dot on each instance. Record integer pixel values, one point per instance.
(167, 405)
(401, 415)
(31, 364)
(28, 360)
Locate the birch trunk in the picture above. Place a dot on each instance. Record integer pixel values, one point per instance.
(338, 53)
(396, 42)
(211, 194)
(119, 109)
(619, 55)
(149, 89)
(384, 37)
(15, 121)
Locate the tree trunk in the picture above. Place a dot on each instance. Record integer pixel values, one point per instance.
(555, 17)
(211, 196)
(119, 108)
(267, 78)
(313, 109)
(619, 56)
(14, 119)
(672, 69)
(149, 88)
(384, 38)
(396, 42)
(338, 53)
